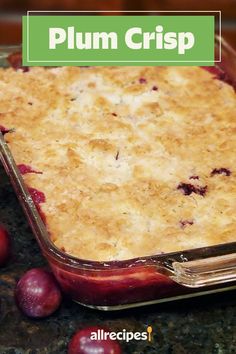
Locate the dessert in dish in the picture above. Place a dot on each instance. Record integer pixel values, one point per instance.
(125, 162)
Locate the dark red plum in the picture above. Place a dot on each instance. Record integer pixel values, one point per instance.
(81, 343)
(37, 293)
(5, 245)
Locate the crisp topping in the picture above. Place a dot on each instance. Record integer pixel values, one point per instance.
(126, 170)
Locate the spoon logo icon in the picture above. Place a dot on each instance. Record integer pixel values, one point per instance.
(149, 331)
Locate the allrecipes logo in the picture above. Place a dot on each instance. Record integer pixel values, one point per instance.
(123, 335)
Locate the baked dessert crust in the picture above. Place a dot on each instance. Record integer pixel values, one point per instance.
(135, 160)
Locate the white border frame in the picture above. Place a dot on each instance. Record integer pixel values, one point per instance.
(124, 61)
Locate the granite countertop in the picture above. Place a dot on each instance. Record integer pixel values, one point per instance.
(205, 325)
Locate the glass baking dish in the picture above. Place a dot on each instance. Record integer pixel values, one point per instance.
(117, 285)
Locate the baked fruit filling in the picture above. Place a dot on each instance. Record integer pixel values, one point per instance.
(125, 162)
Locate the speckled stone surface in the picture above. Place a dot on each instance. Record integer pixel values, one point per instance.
(204, 325)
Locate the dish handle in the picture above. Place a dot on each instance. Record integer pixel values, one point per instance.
(205, 272)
